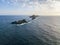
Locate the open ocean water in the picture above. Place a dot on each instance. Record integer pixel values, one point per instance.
(44, 30)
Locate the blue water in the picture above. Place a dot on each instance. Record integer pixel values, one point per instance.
(44, 30)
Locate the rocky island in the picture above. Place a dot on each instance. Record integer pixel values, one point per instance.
(33, 16)
(23, 20)
(19, 22)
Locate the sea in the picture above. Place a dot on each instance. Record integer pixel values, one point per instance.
(44, 30)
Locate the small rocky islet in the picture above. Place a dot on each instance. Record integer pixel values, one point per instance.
(24, 20)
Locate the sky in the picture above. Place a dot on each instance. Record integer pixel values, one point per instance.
(29, 7)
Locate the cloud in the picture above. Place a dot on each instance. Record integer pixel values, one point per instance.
(39, 6)
(56, 0)
(26, 3)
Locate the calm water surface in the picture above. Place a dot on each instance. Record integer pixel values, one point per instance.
(44, 30)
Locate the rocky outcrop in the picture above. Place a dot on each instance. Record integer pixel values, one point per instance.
(19, 22)
(33, 16)
(24, 21)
